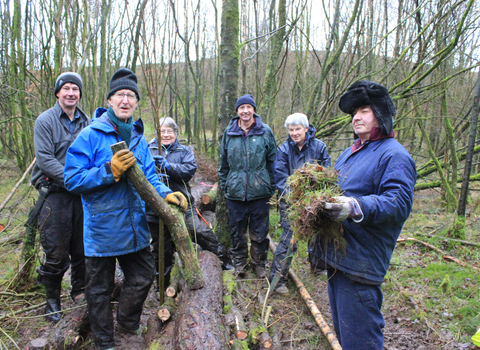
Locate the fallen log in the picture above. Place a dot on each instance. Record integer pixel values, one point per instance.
(12, 192)
(172, 216)
(198, 321)
(233, 316)
(317, 315)
(71, 330)
(167, 310)
(445, 256)
(209, 198)
(175, 277)
(259, 336)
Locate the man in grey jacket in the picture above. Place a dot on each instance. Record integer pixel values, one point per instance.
(60, 213)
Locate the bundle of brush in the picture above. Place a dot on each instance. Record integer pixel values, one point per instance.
(311, 186)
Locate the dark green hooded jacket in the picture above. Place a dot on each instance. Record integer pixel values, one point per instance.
(246, 161)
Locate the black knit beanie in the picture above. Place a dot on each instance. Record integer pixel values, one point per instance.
(366, 92)
(68, 77)
(123, 79)
(246, 99)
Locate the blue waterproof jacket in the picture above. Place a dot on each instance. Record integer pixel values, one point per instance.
(182, 168)
(246, 161)
(290, 157)
(114, 214)
(381, 175)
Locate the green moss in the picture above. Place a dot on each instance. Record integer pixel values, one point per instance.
(446, 284)
(240, 345)
(227, 302)
(254, 332)
(228, 281)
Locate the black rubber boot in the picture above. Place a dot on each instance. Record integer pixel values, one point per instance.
(52, 290)
(53, 305)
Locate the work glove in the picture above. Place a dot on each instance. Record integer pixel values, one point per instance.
(343, 208)
(120, 162)
(177, 198)
(162, 163)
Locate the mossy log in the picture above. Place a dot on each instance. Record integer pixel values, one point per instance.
(172, 216)
(198, 321)
(259, 335)
(208, 200)
(175, 276)
(438, 183)
(233, 316)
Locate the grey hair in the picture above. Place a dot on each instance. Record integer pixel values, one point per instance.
(297, 119)
(170, 123)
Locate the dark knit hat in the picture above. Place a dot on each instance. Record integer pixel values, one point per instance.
(123, 79)
(246, 99)
(366, 92)
(68, 77)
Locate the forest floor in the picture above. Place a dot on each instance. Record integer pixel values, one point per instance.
(429, 302)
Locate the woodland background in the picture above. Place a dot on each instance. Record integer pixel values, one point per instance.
(194, 58)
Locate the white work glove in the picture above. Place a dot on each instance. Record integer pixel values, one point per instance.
(343, 208)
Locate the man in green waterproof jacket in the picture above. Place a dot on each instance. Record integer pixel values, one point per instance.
(247, 153)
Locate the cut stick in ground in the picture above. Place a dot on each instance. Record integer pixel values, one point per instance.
(317, 315)
(172, 216)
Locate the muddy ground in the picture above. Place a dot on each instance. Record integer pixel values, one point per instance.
(290, 324)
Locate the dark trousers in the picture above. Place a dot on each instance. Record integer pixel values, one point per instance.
(251, 216)
(356, 313)
(139, 272)
(60, 223)
(198, 231)
(280, 257)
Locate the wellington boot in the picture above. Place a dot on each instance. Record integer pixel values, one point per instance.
(53, 311)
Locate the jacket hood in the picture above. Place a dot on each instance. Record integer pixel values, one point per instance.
(310, 135)
(103, 123)
(234, 129)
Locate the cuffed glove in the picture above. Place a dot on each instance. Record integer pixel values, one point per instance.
(343, 208)
(162, 163)
(177, 198)
(120, 162)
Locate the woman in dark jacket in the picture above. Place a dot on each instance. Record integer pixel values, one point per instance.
(301, 147)
(176, 166)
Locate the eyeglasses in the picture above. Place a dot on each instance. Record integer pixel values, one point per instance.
(167, 132)
(122, 95)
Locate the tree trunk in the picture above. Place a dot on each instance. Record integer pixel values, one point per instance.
(198, 324)
(229, 54)
(172, 217)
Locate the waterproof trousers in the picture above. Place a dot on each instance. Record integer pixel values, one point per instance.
(280, 257)
(251, 217)
(139, 272)
(356, 313)
(200, 234)
(60, 223)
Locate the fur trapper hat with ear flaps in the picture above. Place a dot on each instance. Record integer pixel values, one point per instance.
(366, 92)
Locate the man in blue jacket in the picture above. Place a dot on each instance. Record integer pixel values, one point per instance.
(247, 154)
(115, 225)
(377, 176)
(301, 147)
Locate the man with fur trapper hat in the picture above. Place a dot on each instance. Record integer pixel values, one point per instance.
(377, 177)
(58, 212)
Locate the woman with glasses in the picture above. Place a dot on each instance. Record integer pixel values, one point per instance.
(176, 165)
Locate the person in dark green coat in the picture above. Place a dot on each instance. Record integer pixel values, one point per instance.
(247, 153)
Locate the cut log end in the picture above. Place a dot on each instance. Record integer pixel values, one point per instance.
(170, 292)
(265, 340)
(163, 314)
(242, 335)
